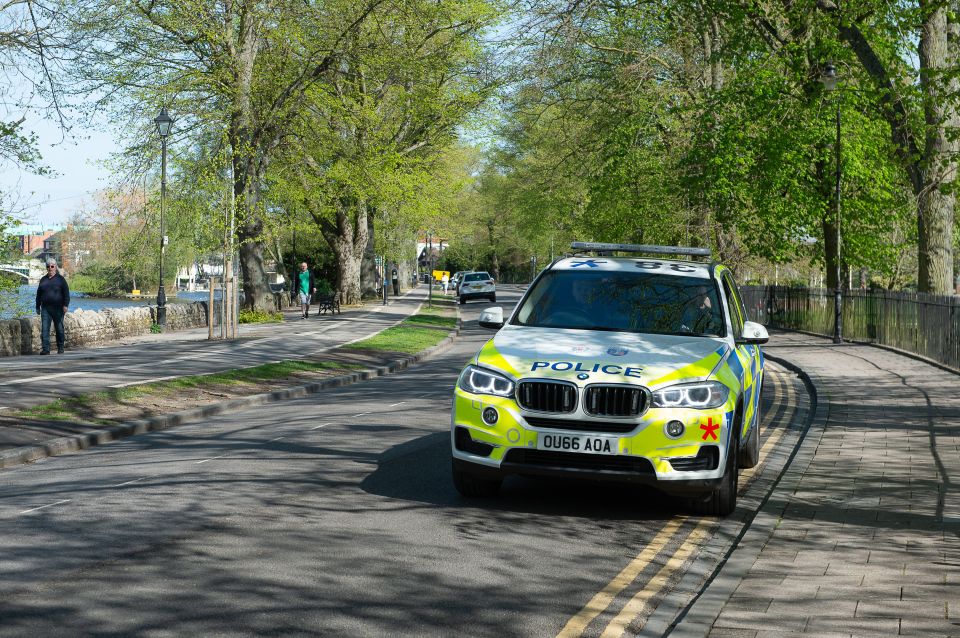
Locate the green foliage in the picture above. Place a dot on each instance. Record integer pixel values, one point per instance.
(324, 287)
(685, 124)
(259, 316)
(156, 328)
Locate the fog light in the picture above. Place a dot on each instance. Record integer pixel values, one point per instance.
(674, 429)
(490, 416)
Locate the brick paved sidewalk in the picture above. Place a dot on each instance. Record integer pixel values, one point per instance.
(863, 534)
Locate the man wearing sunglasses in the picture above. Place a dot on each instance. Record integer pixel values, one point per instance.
(53, 297)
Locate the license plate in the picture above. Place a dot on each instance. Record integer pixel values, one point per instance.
(583, 443)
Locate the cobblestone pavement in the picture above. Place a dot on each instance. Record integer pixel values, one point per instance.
(864, 532)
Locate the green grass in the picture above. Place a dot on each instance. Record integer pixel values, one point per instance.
(432, 320)
(79, 406)
(259, 316)
(402, 339)
(419, 332)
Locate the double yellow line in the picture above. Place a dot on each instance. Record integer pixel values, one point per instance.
(635, 606)
(599, 603)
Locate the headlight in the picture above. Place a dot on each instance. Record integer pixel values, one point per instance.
(480, 381)
(711, 394)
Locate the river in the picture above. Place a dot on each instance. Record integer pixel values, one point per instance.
(23, 303)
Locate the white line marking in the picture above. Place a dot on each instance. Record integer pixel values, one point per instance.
(43, 378)
(143, 478)
(393, 405)
(322, 425)
(66, 500)
(213, 458)
(123, 385)
(362, 414)
(275, 439)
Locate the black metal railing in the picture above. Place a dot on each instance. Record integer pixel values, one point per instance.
(928, 325)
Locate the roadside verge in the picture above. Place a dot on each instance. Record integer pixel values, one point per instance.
(389, 363)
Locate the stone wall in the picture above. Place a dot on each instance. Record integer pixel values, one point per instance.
(88, 327)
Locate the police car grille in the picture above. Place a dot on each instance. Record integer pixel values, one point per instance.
(547, 396)
(614, 401)
(614, 427)
(576, 461)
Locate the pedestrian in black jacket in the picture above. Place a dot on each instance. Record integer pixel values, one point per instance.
(53, 297)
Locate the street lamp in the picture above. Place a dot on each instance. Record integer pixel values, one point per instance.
(829, 80)
(164, 124)
(430, 269)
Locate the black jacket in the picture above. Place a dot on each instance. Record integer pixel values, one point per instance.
(295, 284)
(53, 291)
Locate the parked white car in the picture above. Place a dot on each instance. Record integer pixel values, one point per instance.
(477, 285)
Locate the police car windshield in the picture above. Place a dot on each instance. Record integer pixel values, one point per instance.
(624, 302)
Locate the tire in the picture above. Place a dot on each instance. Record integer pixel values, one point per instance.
(462, 300)
(493, 299)
(472, 486)
(723, 500)
(750, 453)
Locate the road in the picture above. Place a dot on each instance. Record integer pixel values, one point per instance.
(335, 515)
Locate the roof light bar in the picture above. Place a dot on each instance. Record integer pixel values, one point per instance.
(640, 248)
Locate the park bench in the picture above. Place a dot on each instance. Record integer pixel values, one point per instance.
(329, 302)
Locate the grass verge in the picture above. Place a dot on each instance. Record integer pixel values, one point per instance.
(87, 406)
(419, 332)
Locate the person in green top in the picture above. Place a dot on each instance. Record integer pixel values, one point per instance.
(305, 288)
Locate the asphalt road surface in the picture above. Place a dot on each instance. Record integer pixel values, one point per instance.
(333, 515)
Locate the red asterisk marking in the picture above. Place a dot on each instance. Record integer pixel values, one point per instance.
(710, 429)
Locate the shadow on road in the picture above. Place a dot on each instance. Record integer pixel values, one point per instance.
(419, 471)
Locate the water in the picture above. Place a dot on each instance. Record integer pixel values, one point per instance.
(23, 302)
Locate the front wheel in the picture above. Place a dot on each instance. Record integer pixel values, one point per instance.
(723, 500)
(493, 299)
(750, 454)
(462, 300)
(471, 485)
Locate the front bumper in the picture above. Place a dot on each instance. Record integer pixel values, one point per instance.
(644, 455)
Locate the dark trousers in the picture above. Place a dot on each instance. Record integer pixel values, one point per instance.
(48, 314)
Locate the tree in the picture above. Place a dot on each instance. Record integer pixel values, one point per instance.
(233, 72)
(369, 138)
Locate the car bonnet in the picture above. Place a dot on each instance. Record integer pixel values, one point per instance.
(583, 356)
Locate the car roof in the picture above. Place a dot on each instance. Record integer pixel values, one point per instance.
(677, 267)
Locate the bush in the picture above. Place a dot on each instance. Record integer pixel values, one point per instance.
(156, 328)
(259, 316)
(323, 287)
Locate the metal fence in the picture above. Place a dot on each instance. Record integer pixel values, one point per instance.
(928, 325)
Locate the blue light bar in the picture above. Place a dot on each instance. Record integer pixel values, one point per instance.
(641, 248)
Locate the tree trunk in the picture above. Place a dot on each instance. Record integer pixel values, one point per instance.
(368, 265)
(932, 169)
(936, 201)
(248, 168)
(348, 240)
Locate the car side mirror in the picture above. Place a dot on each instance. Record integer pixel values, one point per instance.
(491, 318)
(753, 333)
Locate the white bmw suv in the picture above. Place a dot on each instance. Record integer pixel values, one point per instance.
(477, 285)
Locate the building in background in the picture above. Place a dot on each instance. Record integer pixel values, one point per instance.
(31, 237)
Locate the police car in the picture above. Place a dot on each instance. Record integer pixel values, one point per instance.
(640, 369)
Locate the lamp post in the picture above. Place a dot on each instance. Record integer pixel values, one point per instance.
(430, 269)
(164, 124)
(829, 80)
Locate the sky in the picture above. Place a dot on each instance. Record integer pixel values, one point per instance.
(76, 175)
